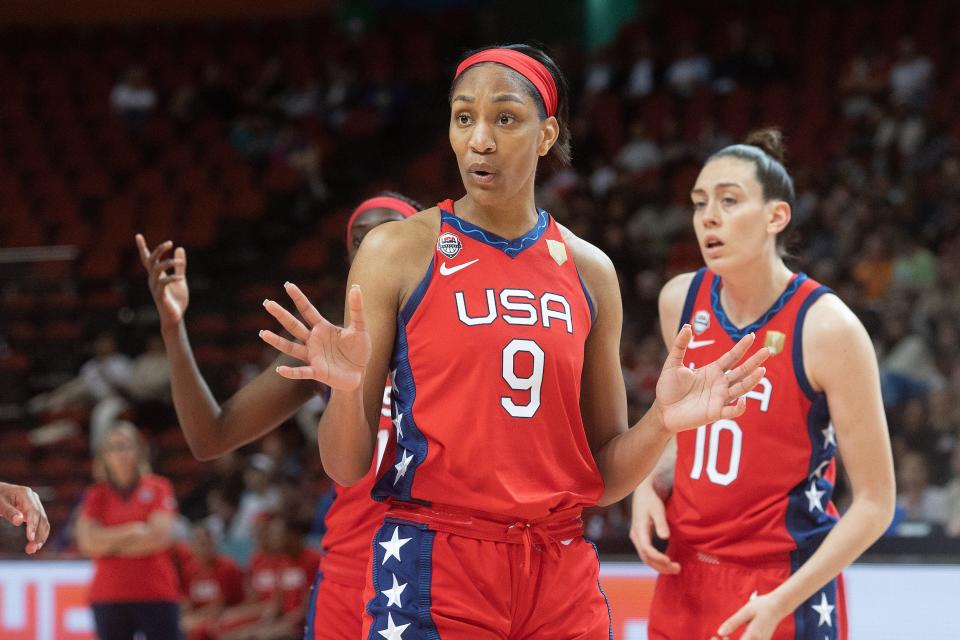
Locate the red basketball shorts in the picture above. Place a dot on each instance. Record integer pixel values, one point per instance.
(431, 583)
(694, 603)
(335, 611)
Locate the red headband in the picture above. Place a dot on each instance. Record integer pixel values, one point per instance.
(380, 202)
(529, 68)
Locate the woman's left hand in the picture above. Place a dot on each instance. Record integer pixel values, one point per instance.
(689, 398)
(761, 615)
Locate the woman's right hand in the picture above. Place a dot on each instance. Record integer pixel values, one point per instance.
(332, 355)
(649, 514)
(170, 292)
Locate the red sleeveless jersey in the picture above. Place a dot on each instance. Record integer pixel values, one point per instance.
(487, 364)
(760, 484)
(354, 516)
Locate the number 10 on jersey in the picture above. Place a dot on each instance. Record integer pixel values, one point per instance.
(532, 383)
(736, 444)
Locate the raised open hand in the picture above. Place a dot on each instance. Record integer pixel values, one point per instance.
(689, 398)
(170, 292)
(334, 356)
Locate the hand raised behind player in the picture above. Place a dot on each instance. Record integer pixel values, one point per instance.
(170, 292)
(649, 514)
(689, 398)
(332, 355)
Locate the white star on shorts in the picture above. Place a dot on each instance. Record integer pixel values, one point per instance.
(393, 546)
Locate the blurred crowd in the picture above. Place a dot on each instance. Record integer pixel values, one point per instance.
(319, 114)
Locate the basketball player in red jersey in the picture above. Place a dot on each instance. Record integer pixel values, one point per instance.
(212, 430)
(755, 543)
(502, 330)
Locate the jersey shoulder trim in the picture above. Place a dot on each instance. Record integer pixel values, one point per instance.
(691, 296)
(798, 368)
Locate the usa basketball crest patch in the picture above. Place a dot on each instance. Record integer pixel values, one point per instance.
(701, 321)
(449, 244)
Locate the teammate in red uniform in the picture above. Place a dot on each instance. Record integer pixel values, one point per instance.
(280, 579)
(126, 526)
(749, 517)
(256, 409)
(21, 505)
(211, 581)
(509, 401)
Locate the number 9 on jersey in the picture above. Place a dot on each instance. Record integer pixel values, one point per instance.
(532, 384)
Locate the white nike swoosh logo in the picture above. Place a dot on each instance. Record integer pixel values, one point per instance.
(447, 271)
(696, 344)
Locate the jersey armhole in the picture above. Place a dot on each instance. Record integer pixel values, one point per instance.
(586, 294)
(798, 368)
(413, 302)
(691, 297)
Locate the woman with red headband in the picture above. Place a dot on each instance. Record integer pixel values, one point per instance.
(259, 407)
(502, 331)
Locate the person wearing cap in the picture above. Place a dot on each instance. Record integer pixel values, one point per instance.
(260, 495)
(212, 429)
(502, 331)
(126, 526)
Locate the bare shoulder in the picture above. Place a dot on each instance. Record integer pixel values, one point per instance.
(394, 256)
(836, 345)
(670, 304)
(830, 322)
(402, 238)
(674, 292)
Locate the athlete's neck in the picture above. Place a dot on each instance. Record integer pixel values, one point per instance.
(509, 219)
(747, 294)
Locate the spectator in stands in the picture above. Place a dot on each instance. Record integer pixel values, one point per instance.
(690, 71)
(260, 496)
(642, 77)
(908, 368)
(211, 582)
(601, 72)
(103, 378)
(223, 475)
(911, 77)
(875, 266)
(641, 152)
(126, 527)
(919, 500)
(21, 506)
(145, 390)
(915, 266)
(133, 98)
(860, 85)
